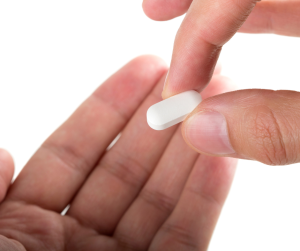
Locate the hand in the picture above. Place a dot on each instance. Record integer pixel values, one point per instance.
(148, 191)
(261, 125)
(208, 25)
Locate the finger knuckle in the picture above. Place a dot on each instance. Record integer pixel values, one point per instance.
(67, 156)
(158, 200)
(180, 236)
(125, 168)
(205, 196)
(126, 242)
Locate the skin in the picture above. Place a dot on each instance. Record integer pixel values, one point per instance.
(261, 125)
(155, 193)
(149, 191)
(208, 25)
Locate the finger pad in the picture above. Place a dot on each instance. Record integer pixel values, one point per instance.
(162, 10)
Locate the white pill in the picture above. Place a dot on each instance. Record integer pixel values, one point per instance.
(172, 110)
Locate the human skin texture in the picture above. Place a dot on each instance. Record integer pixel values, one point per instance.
(208, 25)
(260, 125)
(149, 191)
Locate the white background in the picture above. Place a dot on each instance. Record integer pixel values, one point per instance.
(53, 54)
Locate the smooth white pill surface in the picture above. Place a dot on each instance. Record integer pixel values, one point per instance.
(172, 110)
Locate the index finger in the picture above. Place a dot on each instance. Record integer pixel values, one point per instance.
(207, 26)
(61, 165)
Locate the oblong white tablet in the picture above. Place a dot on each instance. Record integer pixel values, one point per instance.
(172, 110)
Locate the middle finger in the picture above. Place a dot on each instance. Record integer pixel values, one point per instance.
(122, 172)
(161, 193)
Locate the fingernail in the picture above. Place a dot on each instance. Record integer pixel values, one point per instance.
(207, 132)
(165, 84)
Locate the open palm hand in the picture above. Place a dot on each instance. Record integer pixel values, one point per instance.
(149, 191)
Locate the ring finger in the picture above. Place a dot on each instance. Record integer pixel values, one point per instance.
(122, 171)
(159, 196)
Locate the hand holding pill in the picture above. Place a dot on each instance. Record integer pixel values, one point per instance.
(127, 194)
(208, 25)
(259, 129)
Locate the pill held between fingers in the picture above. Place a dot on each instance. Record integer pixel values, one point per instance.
(173, 110)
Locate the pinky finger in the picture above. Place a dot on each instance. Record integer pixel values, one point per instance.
(6, 172)
(278, 17)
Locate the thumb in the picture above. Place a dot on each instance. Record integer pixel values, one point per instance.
(261, 125)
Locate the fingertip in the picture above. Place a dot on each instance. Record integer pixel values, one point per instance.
(6, 172)
(151, 10)
(207, 132)
(159, 10)
(149, 65)
(139, 75)
(145, 61)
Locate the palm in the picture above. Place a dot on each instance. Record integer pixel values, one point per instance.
(40, 229)
(149, 191)
(34, 227)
